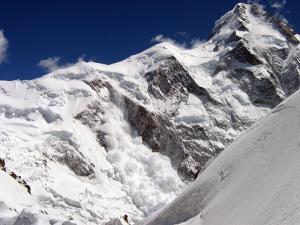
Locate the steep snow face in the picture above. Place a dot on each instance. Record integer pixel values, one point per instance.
(254, 181)
(96, 141)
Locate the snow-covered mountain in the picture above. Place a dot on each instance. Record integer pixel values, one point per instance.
(95, 142)
(254, 181)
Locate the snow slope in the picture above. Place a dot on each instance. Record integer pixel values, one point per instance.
(254, 181)
(14, 201)
(96, 142)
(70, 174)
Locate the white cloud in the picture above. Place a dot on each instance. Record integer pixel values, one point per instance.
(278, 4)
(52, 63)
(3, 46)
(161, 38)
(185, 44)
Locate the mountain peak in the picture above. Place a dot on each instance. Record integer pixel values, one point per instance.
(251, 18)
(102, 140)
(234, 19)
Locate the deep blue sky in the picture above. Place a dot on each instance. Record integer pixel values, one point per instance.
(103, 31)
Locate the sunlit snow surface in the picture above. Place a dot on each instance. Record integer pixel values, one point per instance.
(37, 117)
(37, 123)
(38, 126)
(255, 181)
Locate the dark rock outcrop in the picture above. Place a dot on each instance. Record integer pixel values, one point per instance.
(173, 80)
(15, 176)
(259, 72)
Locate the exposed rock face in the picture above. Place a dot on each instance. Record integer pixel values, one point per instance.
(289, 77)
(173, 81)
(136, 125)
(182, 142)
(66, 152)
(93, 118)
(259, 72)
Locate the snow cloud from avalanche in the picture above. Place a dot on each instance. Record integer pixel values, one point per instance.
(3, 46)
(53, 63)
